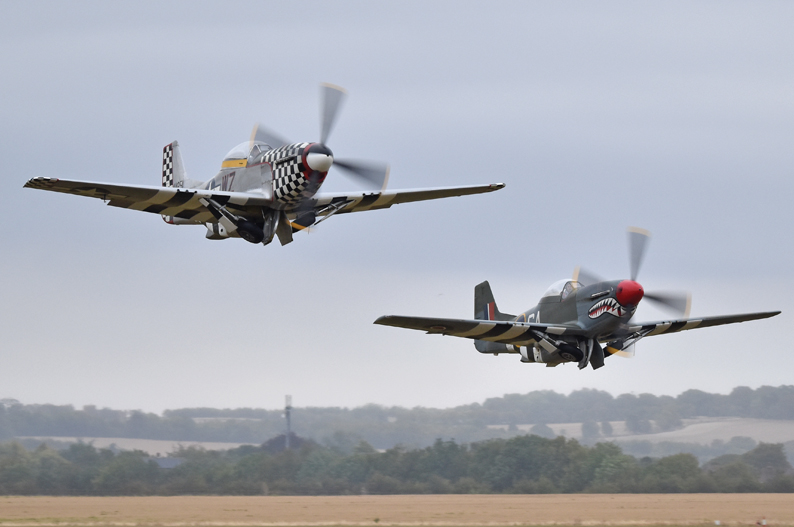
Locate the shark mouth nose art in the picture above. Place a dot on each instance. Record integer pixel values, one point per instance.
(607, 305)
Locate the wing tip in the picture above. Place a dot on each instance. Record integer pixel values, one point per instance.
(763, 314)
(39, 182)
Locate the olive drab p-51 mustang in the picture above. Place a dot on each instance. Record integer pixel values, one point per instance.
(583, 320)
(266, 186)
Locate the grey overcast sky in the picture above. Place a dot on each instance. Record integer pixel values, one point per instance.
(674, 116)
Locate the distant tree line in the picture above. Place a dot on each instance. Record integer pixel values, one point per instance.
(704, 452)
(523, 464)
(383, 427)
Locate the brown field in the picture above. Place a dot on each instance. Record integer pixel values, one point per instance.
(440, 510)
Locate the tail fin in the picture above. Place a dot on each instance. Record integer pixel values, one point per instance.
(485, 305)
(485, 309)
(173, 168)
(174, 173)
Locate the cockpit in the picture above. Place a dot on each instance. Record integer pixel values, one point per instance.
(248, 153)
(562, 288)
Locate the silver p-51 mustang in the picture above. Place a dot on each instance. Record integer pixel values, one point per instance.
(265, 187)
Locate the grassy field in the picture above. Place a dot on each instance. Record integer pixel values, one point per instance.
(441, 510)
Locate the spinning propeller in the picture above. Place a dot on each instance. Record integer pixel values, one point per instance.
(374, 175)
(632, 292)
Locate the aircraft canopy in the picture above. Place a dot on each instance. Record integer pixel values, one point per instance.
(562, 288)
(246, 150)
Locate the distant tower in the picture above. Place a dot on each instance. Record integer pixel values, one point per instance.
(287, 410)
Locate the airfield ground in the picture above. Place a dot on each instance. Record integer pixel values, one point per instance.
(433, 510)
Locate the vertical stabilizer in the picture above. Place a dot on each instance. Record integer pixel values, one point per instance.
(174, 175)
(485, 305)
(485, 309)
(173, 168)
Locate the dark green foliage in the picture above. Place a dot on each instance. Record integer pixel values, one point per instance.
(17, 470)
(342, 459)
(523, 464)
(127, 474)
(717, 448)
(678, 473)
(735, 477)
(768, 461)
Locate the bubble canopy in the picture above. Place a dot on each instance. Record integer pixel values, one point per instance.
(244, 150)
(562, 288)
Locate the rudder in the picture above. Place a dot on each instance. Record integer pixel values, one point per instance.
(173, 168)
(485, 309)
(485, 304)
(174, 175)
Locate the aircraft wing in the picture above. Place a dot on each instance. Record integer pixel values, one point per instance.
(522, 333)
(168, 201)
(519, 333)
(330, 204)
(184, 202)
(650, 329)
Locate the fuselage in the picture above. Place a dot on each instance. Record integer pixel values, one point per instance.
(595, 308)
(599, 310)
(286, 175)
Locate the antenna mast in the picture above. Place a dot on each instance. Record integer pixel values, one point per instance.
(287, 410)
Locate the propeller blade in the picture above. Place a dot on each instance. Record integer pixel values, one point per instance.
(260, 133)
(585, 277)
(618, 347)
(627, 353)
(332, 100)
(638, 240)
(374, 174)
(678, 302)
